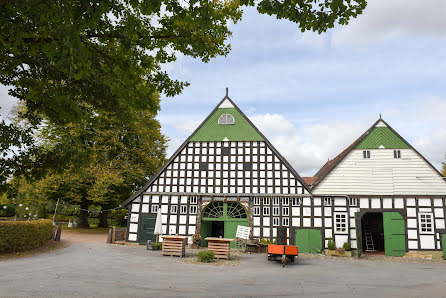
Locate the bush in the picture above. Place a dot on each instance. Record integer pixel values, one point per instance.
(331, 245)
(205, 256)
(157, 246)
(347, 246)
(22, 235)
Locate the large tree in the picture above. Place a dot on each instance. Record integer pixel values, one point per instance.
(99, 161)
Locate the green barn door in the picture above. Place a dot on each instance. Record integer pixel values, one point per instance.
(309, 240)
(443, 244)
(231, 213)
(358, 234)
(147, 229)
(394, 234)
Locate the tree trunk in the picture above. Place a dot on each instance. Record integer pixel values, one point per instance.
(83, 217)
(103, 219)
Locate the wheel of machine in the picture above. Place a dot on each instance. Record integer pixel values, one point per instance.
(240, 244)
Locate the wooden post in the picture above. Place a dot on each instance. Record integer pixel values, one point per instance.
(109, 237)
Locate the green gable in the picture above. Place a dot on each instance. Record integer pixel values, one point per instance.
(382, 136)
(211, 131)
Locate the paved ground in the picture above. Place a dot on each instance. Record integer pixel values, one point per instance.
(93, 269)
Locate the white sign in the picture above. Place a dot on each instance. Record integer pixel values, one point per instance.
(243, 232)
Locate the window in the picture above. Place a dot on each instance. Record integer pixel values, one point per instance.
(285, 211)
(247, 166)
(256, 200)
(155, 208)
(173, 209)
(276, 201)
(225, 151)
(327, 201)
(341, 223)
(265, 210)
(204, 166)
(226, 119)
(276, 221)
(183, 209)
(396, 153)
(297, 201)
(285, 201)
(193, 209)
(256, 210)
(426, 225)
(193, 200)
(265, 201)
(353, 201)
(285, 221)
(276, 211)
(366, 154)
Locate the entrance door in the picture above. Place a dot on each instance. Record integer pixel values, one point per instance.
(224, 216)
(147, 229)
(394, 234)
(309, 240)
(358, 234)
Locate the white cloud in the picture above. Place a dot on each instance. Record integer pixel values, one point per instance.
(393, 19)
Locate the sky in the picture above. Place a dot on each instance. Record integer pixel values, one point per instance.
(312, 95)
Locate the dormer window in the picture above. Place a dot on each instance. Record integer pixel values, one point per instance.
(226, 119)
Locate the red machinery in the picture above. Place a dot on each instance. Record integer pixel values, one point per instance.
(284, 252)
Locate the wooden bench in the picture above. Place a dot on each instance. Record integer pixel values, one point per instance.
(174, 246)
(220, 247)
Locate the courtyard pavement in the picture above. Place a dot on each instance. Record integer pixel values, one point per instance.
(93, 269)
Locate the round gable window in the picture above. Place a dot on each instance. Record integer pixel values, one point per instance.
(226, 119)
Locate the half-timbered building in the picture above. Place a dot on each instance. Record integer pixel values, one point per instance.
(225, 174)
(380, 194)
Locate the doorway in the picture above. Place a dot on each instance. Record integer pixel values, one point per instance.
(381, 232)
(218, 229)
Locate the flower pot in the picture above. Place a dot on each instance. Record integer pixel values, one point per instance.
(195, 245)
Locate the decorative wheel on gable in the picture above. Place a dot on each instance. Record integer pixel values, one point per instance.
(240, 244)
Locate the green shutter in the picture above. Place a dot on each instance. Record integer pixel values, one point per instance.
(394, 234)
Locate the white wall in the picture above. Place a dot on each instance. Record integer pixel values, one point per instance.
(382, 174)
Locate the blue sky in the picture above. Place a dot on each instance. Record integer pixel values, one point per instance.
(312, 95)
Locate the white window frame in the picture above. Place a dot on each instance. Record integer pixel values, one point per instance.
(276, 221)
(430, 230)
(193, 209)
(328, 201)
(154, 208)
(226, 119)
(296, 202)
(266, 201)
(285, 221)
(276, 211)
(256, 200)
(366, 154)
(276, 201)
(353, 202)
(256, 210)
(173, 209)
(397, 154)
(285, 211)
(266, 211)
(193, 200)
(183, 209)
(345, 218)
(285, 201)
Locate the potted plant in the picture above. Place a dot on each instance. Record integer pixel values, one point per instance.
(196, 241)
(331, 248)
(347, 249)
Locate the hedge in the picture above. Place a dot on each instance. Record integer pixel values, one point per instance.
(22, 235)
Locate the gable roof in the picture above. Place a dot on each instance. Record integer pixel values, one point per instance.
(225, 104)
(369, 140)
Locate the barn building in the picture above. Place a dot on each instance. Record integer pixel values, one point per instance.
(380, 194)
(224, 175)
